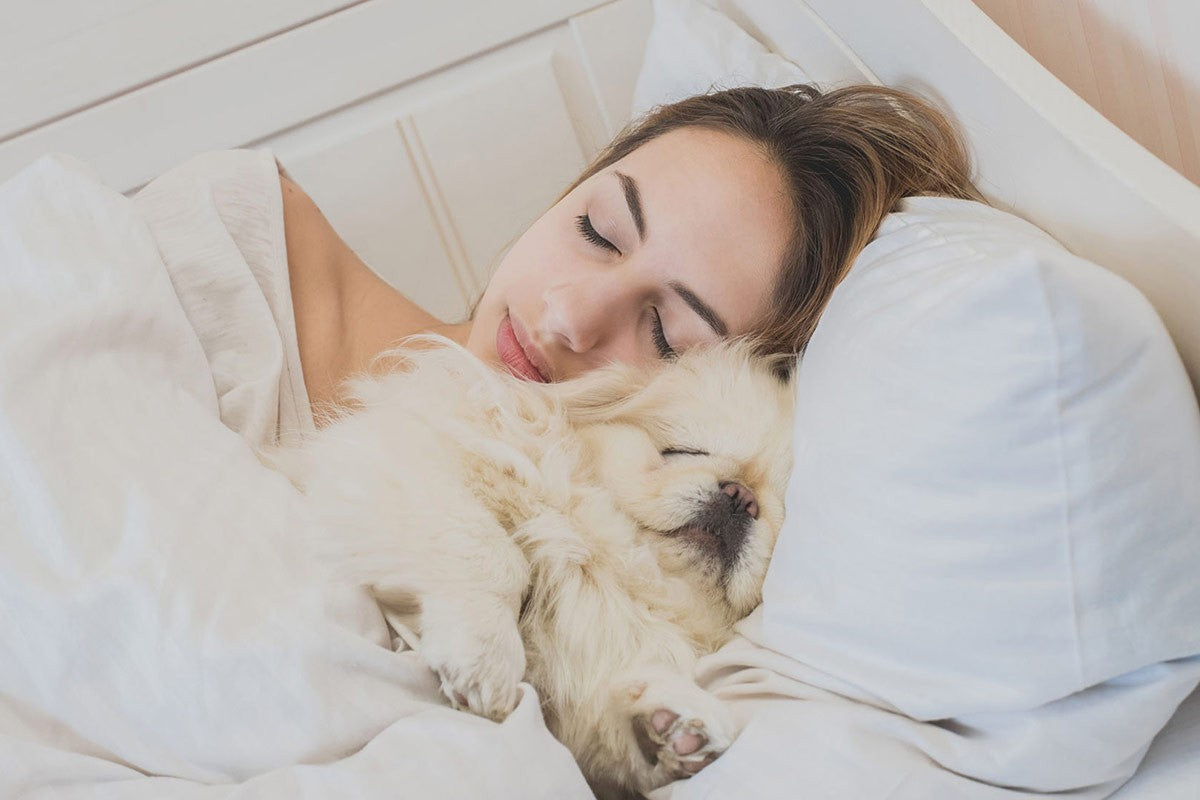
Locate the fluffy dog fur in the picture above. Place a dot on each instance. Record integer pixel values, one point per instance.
(592, 537)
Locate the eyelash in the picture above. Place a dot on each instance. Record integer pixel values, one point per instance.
(660, 337)
(584, 224)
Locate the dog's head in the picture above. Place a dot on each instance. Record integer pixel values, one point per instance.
(697, 452)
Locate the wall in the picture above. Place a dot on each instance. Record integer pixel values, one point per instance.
(1135, 61)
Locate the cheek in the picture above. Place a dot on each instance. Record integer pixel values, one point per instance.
(528, 268)
(668, 498)
(629, 466)
(512, 284)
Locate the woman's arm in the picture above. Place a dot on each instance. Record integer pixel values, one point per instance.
(345, 313)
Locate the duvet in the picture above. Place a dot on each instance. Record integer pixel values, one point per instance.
(161, 634)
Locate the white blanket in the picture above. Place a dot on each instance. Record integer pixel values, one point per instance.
(160, 633)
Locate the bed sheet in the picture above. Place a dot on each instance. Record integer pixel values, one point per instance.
(1171, 769)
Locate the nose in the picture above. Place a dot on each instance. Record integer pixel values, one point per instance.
(741, 499)
(588, 314)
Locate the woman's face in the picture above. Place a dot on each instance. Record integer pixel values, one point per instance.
(678, 243)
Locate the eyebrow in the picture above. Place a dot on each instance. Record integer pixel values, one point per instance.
(700, 307)
(634, 200)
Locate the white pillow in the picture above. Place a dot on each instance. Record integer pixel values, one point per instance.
(693, 49)
(995, 498)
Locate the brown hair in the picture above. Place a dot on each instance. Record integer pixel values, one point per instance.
(847, 156)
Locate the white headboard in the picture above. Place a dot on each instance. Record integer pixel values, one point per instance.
(429, 133)
(431, 142)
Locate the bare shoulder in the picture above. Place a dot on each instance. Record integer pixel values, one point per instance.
(345, 313)
(317, 279)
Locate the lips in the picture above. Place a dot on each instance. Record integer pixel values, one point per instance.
(514, 355)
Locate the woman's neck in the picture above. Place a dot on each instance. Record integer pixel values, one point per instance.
(457, 332)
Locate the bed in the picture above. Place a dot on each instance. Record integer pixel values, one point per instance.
(431, 142)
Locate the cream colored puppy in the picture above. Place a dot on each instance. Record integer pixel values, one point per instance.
(592, 537)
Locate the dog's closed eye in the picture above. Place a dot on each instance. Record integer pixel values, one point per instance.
(683, 451)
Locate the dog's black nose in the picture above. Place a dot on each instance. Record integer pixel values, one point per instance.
(741, 498)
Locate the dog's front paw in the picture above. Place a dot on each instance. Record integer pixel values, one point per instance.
(680, 728)
(479, 657)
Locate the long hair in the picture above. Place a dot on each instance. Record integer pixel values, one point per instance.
(847, 156)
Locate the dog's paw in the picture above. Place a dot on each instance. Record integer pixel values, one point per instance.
(680, 728)
(479, 659)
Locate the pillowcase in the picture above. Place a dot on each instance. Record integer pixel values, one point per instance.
(995, 495)
(994, 501)
(694, 49)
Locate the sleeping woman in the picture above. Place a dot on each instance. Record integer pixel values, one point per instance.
(721, 215)
(161, 634)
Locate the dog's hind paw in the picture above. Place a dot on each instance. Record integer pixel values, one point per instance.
(681, 746)
(680, 729)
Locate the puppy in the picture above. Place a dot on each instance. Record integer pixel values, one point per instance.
(592, 537)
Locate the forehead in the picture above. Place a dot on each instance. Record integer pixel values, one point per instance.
(718, 217)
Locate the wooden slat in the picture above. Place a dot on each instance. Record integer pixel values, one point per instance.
(62, 55)
(509, 128)
(501, 152)
(281, 82)
(368, 187)
(792, 29)
(29, 26)
(612, 40)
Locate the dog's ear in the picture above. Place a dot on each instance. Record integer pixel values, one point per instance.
(616, 391)
(783, 366)
(758, 351)
(604, 394)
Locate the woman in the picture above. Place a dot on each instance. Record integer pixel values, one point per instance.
(725, 214)
(162, 631)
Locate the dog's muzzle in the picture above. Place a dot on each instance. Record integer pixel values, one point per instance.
(720, 527)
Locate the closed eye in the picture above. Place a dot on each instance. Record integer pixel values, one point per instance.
(665, 351)
(682, 451)
(583, 223)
